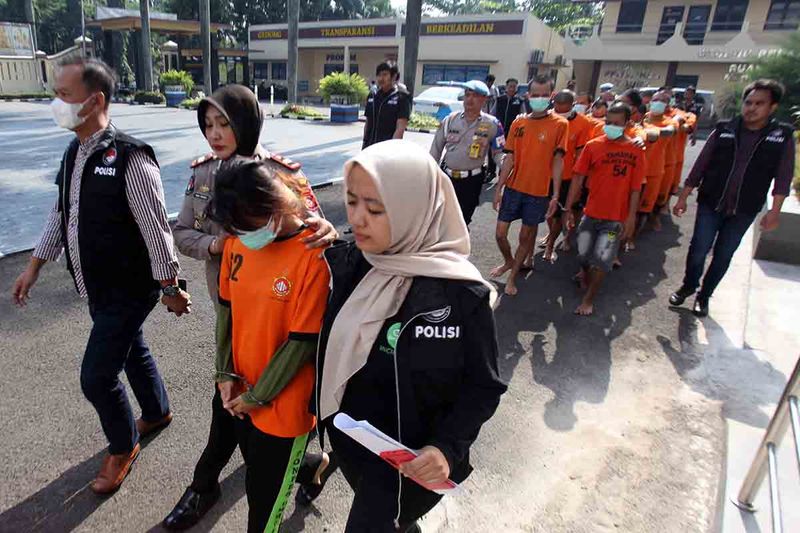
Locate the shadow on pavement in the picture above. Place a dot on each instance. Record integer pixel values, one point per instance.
(64, 503)
(316, 147)
(575, 361)
(720, 371)
(232, 491)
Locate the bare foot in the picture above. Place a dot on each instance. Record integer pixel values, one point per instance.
(550, 255)
(617, 263)
(511, 289)
(580, 279)
(564, 246)
(630, 246)
(584, 309)
(527, 264)
(500, 270)
(657, 223)
(543, 241)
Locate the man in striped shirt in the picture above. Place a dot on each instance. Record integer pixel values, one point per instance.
(110, 217)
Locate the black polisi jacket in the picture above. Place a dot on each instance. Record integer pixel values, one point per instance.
(446, 359)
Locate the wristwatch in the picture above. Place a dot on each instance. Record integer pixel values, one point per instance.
(171, 290)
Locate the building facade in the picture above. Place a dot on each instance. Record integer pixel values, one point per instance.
(649, 43)
(461, 48)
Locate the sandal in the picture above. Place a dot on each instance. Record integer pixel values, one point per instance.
(323, 466)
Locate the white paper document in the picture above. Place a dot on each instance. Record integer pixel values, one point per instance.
(385, 447)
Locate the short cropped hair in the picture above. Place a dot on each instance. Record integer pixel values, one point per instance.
(97, 75)
(512, 80)
(564, 96)
(490, 78)
(620, 107)
(388, 66)
(542, 79)
(775, 88)
(634, 96)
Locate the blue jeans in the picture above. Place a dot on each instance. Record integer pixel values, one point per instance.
(116, 343)
(724, 233)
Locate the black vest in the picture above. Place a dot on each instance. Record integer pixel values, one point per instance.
(507, 109)
(114, 259)
(761, 169)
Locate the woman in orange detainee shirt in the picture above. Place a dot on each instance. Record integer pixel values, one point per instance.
(272, 301)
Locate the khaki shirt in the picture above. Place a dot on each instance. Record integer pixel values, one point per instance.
(456, 137)
(194, 231)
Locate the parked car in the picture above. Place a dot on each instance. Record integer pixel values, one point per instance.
(441, 100)
(706, 98)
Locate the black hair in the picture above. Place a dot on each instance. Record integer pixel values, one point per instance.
(244, 190)
(388, 66)
(665, 88)
(96, 77)
(599, 102)
(564, 96)
(542, 79)
(634, 96)
(512, 80)
(620, 107)
(490, 78)
(691, 88)
(642, 109)
(775, 88)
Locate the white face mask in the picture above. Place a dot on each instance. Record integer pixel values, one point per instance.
(580, 108)
(66, 115)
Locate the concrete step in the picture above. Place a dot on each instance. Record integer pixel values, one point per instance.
(766, 358)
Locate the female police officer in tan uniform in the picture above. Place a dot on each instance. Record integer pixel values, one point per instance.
(231, 120)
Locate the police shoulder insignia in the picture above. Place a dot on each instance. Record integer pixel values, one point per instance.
(285, 162)
(200, 160)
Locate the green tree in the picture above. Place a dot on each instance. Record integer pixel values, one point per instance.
(786, 69)
(559, 14)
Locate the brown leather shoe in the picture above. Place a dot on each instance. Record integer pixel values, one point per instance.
(114, 470)
(145, 428)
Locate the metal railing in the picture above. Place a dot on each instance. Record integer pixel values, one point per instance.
(766, 460)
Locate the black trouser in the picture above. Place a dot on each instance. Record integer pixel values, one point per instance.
(116, 343)
(375, 485)
(468, 191)
(221, 444)
(492, 166)
(271, 466)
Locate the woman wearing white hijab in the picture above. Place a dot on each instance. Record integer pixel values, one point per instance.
(408, 340)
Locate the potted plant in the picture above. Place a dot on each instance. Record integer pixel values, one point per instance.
(343, 92)
(177, 85)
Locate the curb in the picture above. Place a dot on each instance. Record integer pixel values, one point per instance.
(25, 99)
(314, 119)
(172, 217)
(418, 130)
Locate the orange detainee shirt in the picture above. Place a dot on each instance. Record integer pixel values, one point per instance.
(615, 168)
(275, 293)
(683, 136)
(534, 142)
(581, 131)
(657, 151)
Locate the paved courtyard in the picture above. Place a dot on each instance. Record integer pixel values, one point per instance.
(33, 145)
(611, 423)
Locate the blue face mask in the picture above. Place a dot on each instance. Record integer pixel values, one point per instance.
(580, 108)
(658, 108)
(613, 132)
(539, 103)
(259, 238)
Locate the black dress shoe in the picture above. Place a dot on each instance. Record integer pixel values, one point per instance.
(190, 509)
(700, 307)
(679, 296)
